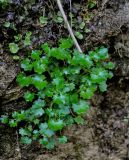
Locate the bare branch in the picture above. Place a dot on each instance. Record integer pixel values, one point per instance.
(68, 25)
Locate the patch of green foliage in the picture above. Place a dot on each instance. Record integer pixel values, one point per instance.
(20, 43)
(13, 48)
(91, 3)
(27, 40)
(62, 82)
(43, 20)
(4, 3)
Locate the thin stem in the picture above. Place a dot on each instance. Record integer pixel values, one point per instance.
(68, 26)
(70, 12)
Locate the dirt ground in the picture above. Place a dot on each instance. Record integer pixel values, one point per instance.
(105, 136)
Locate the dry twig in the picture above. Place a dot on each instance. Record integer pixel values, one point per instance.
(68, 25)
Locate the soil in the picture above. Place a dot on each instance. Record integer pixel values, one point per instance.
(105, 136)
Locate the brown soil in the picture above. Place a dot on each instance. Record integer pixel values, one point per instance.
(105, 136)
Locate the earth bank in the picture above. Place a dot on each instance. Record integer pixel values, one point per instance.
(106, 133)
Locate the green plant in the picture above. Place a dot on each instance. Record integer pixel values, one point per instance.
(58, 18)
(18, 37)
(27, 40)
(43, 20)
(7, 24)
(4, 3)
(63, 81)
(79, 35)
(91, 4)
(13, 48)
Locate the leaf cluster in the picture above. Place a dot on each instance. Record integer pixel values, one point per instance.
(14, 46)
(63, 82)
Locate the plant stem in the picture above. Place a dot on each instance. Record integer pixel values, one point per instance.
(68, 25)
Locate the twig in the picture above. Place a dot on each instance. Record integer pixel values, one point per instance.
(68, 26)
(18, 150)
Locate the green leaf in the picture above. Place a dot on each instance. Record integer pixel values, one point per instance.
(27, 40)
(69, 120)
(39, 81)
(29, 96)
(94, 56)
(43, 126)
(110, 75)
(7, 24)
(88, 62)
(81, 108)
(45, 130)
(91, 4)
(63, 111)
(60, 99)
(57, 74)
(38, 104)
(35, 134)
(19, 116)
(49, 112)
(13, 48)
(81, 59)
(63, 140)
(26, 140)
(4, 119)
(12, 123)
(58, 19)
(79, 35)
(109, 65)
(69, 87)
(23, 132)
(66, 43)
(41, 95)
(82, 25)
(99, 54)
(23, 80)
(74, 70)
(103, 86)
(3, 1)
(45, 48)
(74, 98)
(79, 120)
(59, 53)
(48, 133)
(51, 144)
(26, 65)
(29, 128)
(36, 121)
(103, 53)
(66, 71)
(58, 82)
(88, 92)
(18, 37)
(98, 75)
(87, 81)
(55, 125)
(38, 112)
(35, 54)
(16, 58)
(49, 92)
(43, 20)
(39, 67)
(44, 141)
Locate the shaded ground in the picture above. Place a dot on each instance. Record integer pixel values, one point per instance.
(106, 133)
